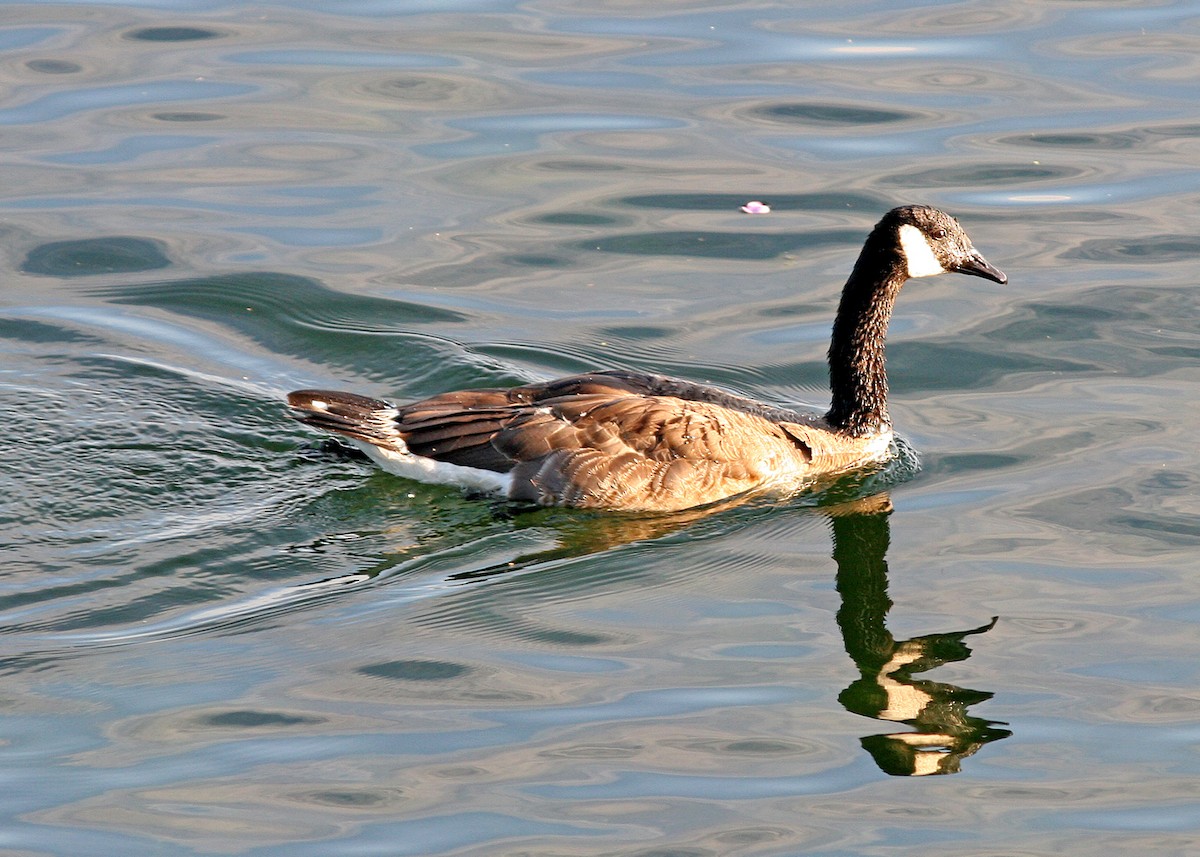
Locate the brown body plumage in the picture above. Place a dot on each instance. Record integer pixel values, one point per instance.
(624, 440)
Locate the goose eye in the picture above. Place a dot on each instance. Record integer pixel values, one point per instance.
(937, 234)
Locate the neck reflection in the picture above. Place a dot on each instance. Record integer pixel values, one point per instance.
(944, 732)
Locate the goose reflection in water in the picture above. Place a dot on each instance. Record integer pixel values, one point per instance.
(945, 733)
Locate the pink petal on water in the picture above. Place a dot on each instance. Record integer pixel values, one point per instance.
(756, 207)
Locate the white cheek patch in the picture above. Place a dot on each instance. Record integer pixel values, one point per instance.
(918, 254)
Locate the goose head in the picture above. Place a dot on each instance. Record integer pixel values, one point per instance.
(932, 242)
(910, 241)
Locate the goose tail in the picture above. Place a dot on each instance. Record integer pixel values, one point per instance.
(361, 418)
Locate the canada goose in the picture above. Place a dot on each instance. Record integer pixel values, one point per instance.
(632, 441)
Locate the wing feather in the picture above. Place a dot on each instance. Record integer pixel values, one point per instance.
(603, 439)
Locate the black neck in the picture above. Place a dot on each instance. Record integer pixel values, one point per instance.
(856, 359)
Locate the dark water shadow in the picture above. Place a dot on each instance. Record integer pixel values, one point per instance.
(821, 113)
(984, 175)
(1168, 248)
(115, 254)
(173, 34)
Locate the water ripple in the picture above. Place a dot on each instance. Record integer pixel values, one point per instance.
(59, 105)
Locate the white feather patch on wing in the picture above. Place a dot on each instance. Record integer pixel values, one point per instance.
(918, 254)
(422, 469)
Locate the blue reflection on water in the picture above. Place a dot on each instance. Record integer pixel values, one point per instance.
(355, 59)
(24, 37)
(295, 236)
(56, 105)
(130, 149)
(492, 135)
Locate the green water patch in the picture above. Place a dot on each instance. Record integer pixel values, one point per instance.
(1076, 140)
(250, 719)
(984, 175)
(414, 670)
(1139, 331)
(576, 218)
(29, 331)
(117, 254)
(187, 116)
(51, 66)
(1143, 249)
(173, 34)
(296, 315)
(922, 366)
(821, 113)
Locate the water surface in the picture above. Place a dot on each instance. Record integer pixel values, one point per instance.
(219, 634)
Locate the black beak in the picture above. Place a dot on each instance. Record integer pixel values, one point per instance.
(977, 266)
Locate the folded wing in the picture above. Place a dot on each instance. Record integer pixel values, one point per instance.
(600, 440)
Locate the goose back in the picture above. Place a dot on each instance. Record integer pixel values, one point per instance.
(599, 440)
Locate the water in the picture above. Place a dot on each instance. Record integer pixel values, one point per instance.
(218, 635)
